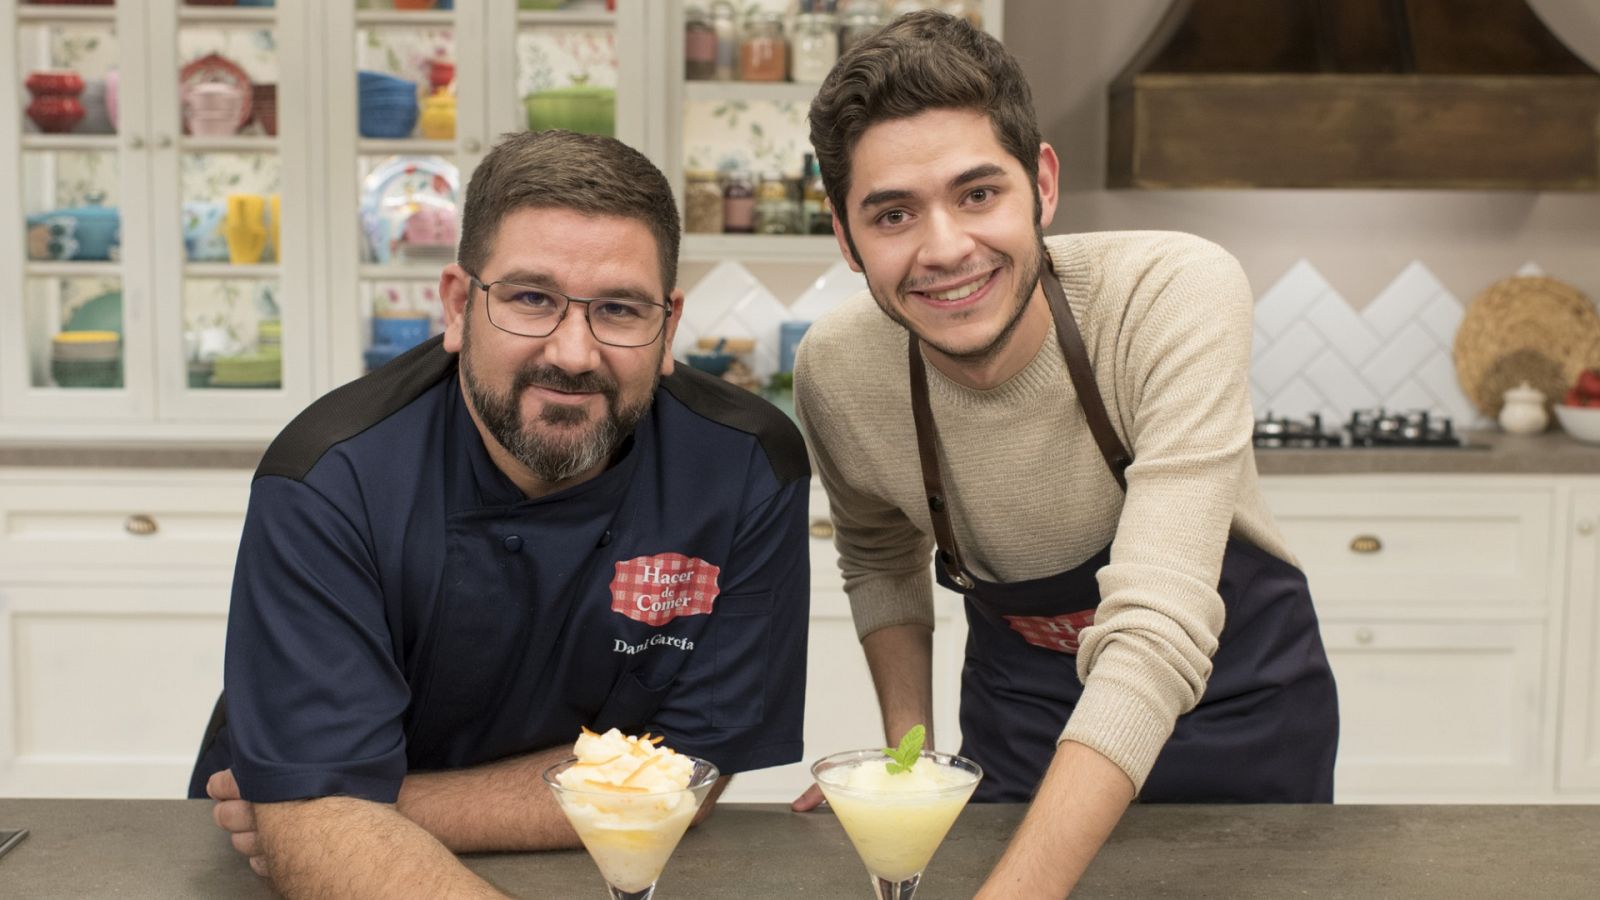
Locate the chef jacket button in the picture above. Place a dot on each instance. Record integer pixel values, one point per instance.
(512, 543)
(936, 503)
(605, 537)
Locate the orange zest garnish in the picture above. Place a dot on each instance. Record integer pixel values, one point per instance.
(600, 763)
(629, 789)
(585, 730)
(642, 766)
(657, 739)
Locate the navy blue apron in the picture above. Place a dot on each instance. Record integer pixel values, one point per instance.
(1268, 726)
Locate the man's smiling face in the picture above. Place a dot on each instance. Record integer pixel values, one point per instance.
(948, 231)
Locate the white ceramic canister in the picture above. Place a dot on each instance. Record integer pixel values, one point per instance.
(1523, 411)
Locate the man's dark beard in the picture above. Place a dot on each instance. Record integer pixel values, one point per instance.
(551, 458)
(1025, 284)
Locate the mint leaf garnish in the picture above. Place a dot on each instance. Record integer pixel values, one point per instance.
(905, 756)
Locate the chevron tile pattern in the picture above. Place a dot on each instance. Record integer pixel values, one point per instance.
(1313, 352)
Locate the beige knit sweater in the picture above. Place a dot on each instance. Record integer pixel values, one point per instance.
(1166, 318)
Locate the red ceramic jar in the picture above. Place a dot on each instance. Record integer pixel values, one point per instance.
(55, 113)
(57, 81)
(440, 73)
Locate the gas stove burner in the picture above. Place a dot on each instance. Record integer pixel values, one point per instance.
(1286, 432)
(1366, 428)
(1379, 428)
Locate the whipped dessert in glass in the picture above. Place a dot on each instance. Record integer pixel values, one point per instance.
(630, 801)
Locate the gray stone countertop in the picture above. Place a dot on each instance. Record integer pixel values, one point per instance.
(1491, 452)
(1488, 453)
(170, 849)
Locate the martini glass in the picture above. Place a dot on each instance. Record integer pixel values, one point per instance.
(896, 825)
(630, 836)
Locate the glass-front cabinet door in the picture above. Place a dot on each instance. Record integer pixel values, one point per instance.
(161, 251)
(413, 107)
(76, 323)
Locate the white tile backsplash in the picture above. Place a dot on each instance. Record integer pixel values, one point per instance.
(1313, 352)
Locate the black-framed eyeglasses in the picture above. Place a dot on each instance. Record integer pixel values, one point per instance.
(533, 311)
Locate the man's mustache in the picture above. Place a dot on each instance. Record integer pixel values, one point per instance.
(558, 380)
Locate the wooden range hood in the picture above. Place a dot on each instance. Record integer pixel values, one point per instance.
(1461, 94)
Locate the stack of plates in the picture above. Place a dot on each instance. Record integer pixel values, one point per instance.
(269, 335)
(86, 359)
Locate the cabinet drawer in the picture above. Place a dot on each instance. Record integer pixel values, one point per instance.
(1441, 712)
(1444, 549)
(62, 522)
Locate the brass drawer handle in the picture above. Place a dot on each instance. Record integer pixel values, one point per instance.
(822, 529)
(140, 525)
(1365, 543)
(1364, 635)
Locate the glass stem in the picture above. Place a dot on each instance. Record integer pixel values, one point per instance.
(646, 894)
(896, 890)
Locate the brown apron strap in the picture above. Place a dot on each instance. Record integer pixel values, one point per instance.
(1116, 456)
(944, 533)
(1112, 451)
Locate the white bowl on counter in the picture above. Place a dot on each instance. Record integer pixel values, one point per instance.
(1582, 422)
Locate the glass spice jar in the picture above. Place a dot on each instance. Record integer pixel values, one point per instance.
(702, 203)
(776, 212)
(815, 46)
(738, 204)
(764, 51)
(725, 25)
(699, 45)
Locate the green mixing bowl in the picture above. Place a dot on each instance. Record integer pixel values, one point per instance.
(581, 107)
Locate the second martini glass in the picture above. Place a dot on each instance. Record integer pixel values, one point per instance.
(896, 822)
(631, 835)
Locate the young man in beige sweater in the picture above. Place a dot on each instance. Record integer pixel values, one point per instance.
(1067, 423)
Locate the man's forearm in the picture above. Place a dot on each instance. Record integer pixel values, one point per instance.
(901, 660)
(1080, 801)
(499, 806)
(342, 847)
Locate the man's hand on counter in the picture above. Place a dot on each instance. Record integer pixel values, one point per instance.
(236, 816)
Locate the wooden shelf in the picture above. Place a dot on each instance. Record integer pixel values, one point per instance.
(71, 142)
(227, 16)
(229, 270)
(443, 18)
(404, 147)
(71, 269)
(764, 91)
(33, 12)
(249, 143)
(760, 248)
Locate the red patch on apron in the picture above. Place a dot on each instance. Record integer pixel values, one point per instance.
(657, 589)
(1058, 633)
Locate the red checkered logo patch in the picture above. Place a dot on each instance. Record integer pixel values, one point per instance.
(657, 589)
(1058, 633)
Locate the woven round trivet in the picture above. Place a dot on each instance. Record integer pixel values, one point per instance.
(1532, 329)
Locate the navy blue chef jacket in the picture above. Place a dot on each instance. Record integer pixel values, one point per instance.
(400, 606)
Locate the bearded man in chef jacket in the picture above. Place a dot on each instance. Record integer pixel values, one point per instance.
(532, 524)
(1063, 426)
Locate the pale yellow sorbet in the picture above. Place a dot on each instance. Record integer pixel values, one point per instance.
(896, 821)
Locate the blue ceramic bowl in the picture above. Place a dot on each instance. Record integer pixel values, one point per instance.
(400, 331)
(84, 232)
(711, 363)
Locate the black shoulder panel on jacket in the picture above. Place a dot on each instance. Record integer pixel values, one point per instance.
(350, 409)
(737, 408)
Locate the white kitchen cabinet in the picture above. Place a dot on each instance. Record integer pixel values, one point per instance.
(1580, 708)
(113, 602)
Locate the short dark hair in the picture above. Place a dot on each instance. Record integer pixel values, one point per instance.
(557, 169)
(920, 61)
